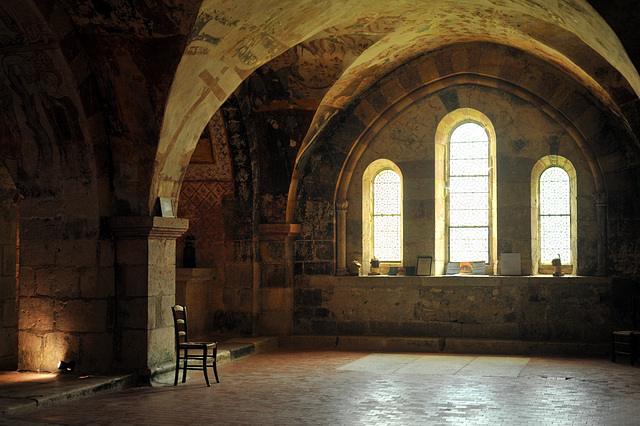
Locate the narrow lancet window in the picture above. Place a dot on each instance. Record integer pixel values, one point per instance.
(469, 194)
(387, 216)
(555, 215)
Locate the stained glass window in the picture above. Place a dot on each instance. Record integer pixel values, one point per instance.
(387, 217)
(555, 215)
(469, 194)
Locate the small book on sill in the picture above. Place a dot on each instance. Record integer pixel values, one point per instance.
(453, 268)
(479, 268)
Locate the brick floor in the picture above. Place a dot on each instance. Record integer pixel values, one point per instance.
(324, 388)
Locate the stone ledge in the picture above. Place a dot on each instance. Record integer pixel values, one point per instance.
(446, 345)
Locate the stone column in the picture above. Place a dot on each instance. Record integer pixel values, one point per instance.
(341, 236)
(277, 277)
(145, 290)
(600, 199)
(9, 198)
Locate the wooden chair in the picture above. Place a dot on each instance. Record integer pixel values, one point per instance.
(627, 342)
(202, 355)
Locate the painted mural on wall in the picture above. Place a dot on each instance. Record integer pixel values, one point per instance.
(207, 183)
(282, 132)
(39, 120)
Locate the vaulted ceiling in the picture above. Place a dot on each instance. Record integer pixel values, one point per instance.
(162, 68)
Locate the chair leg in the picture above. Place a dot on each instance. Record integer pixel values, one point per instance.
(613, 348)
(184, 369)
(204, 366)
(633, 351)
(215, 364)
(175, 381)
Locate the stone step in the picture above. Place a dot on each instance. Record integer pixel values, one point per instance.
(452, 345)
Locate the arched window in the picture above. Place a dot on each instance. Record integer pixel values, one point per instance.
(555, 215)
(387, 216)
(382, 214)
(553, 219)
(465, 188)
(469, 194)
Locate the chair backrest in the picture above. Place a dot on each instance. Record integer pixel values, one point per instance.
(180, 323)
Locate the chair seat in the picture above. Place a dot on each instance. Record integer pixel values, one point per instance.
(625, 332)
(197, 345)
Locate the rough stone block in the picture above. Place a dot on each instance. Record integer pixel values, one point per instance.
(444, 329)
(162, 280)
(505, 331)
(273, 275)
(133, 313)
(164, 315)
(132, 280)
(7, 342)
(8, 310)
(308, 297)
(30, 351)
(97, 353)
(134, 346)
(59, 282)
(421, 344)
(106, 253)
(37, 253)
(8, 265)
(27, 281)
(60, 347)
(162, 252)
(7, 287)
(272, 251)
(483, 346)
(324, 250)
(239, 275)
(82, 315)
(475, 330)
(96, 283)
(77, 253)
(35, 314)
(272, 299)
(132, 252)
(161, 346)
(273, 323)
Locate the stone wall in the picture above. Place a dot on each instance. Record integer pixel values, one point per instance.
(8, 289)
(566, 309)
(524, 135)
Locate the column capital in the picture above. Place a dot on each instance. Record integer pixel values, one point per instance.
(341, 205)
(600, 198)
(136, 227)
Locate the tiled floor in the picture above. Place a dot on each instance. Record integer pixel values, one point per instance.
(335, 388)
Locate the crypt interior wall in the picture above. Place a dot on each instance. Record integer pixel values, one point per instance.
(524, 134)
(101, 108)
(9, 198)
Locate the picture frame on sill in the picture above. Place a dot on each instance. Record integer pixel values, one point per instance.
(423, 267)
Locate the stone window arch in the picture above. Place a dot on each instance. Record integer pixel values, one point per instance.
(452, 199)
(382, 214)
(553, 214)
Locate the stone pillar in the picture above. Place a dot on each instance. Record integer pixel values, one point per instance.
(277, 277)
(9, 198)
(600, 199)
(341, 236)
(145, 290)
